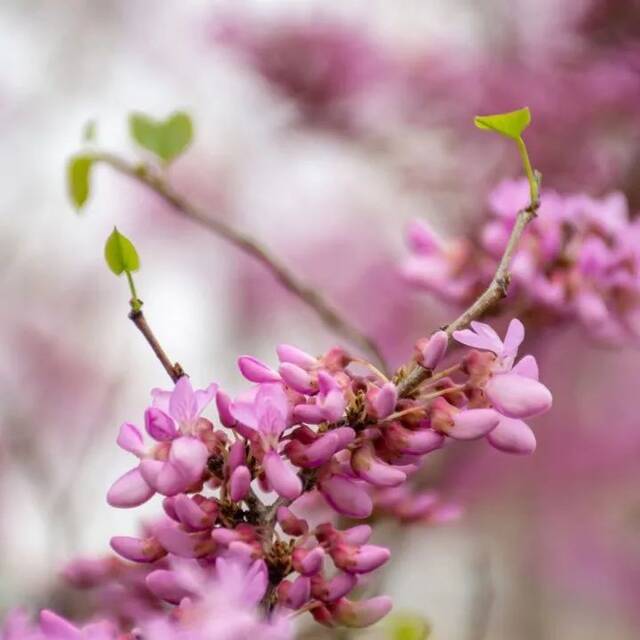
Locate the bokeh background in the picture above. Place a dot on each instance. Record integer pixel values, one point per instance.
(322, 127)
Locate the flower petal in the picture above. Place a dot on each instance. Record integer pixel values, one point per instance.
(517, 396)
(513, 436)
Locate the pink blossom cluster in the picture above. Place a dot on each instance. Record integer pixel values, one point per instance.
(227, 560)
(580, 259)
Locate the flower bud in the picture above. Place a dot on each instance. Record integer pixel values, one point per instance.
(431, 351)
(239, 483)
(255, 370)
(159, 425)
(362, 613)
(137, 549)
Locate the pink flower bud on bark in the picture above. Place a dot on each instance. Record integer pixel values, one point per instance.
(307, 562)
(159, 425)
(239, 483)
(432, 350)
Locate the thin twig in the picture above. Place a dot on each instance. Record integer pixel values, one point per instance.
(496, 290)
(174, 370)
(307, 294)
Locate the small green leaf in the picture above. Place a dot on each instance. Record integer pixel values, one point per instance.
(79, 179)
(510, 124)
(167, 139)
(406, 626)
(120, 254)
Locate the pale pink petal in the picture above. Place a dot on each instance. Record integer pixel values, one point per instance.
(130, 439)
(471, 424)
(513, 436)
(289, 353)
(347, 497)
(159, 425)
(130, 490)
(204, 397)
(239, 483)
(257, 371)
(282, 478)
(55, 627)
(527, 367)
(166, 586)
(190, 456)
(514, 338)
(518, 396)
(182, 404)
(362, 613)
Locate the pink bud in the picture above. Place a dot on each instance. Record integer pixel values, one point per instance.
(222, 403)
(166, 586)
(237, 455)
(289, 353)
(421, 238)
(130, 490)
(256, 371)
(190, 514)
(290, 524)
(369, 468)
(309, 413)
(347, 497)
(412, 442)
(357, 535)
(54, 627)
(136, 549)
(282, 478)
(316, 454)
(362, 559)
(431, 353)
(513, 436)
(239, 483)
(190, 456)
(159, 425)
(307, 562)
(297, 378)
(224, 537)
(331, 590)
(518, 396)
(130, 439)
(294, 595)
(384, 400)
(186, 545)
(360, 614)
(471, 424)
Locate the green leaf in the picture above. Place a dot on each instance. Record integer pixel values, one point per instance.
(120, 254)
(79, 179)
(510, 124)
(167, 139)
(406, 626)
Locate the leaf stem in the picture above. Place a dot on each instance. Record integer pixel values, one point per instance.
(528, 169)
(135, 302)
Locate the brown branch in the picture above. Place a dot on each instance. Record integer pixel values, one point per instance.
(305, 293)
(496, 290)
(174, 370)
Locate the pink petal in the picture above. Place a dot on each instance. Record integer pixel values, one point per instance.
(256, 371)
(297, 378)
(137, 549)
(347, 497)
(282, 478)
(336, 588)
(159, 425)
(190, 456)
(190, 514)
(223, 404)
(518, 396)
(130, 490)
(513, 436)
(55, 627)
(384, 401)
(166, 586)
(289, 353)
(204, 397)
(514, 338)
(239, 483)
(364, 559)
(527, 367)
(182, 404)
(362, 613)
(130, 439)
(471, 424)
(434, 350)
(186, 545)
(366, 466)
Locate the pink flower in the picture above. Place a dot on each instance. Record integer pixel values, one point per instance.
(266, 411)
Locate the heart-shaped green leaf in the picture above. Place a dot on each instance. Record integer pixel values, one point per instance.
(120, 254)
(79, 179)
(510, 124)
(167, 139)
